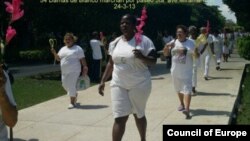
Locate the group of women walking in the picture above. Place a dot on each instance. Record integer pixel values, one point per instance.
(128, 65)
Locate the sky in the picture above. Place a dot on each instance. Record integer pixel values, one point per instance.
(224, 8)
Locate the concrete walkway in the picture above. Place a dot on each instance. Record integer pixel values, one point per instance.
(92, 120)
(33, 70)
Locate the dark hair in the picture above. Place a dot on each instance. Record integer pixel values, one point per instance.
(131, 18)
(95, 34)
(216, 31)
(192, 27)
(183, 27)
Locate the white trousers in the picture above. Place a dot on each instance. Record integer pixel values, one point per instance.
(205, 61)
(218, 56)
(127, 101)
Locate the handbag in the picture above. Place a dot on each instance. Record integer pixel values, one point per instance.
(83, 82)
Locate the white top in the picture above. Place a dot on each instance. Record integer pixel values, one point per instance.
(218, 44)
(70, 59)
(208, 48)
(167, 39)
(96, 49)
(129, 71)
(8, 91)
(182, 59)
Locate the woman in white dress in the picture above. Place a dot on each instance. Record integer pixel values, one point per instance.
(71, 58)
(182, 66)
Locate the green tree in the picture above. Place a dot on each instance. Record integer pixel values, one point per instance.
(241, 9)
(40, 20)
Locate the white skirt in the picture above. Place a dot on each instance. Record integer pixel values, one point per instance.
(69, 83)
(183, 86)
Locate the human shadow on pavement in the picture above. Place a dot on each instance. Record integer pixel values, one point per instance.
(25, 140)
(228, 69)
(204, 112)
(235, 61)
(157, 78)
(90, 107)
(213, 94)
(158, 69)
(214, 78)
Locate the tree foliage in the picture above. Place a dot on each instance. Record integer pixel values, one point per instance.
(241, 9)
(40, 20)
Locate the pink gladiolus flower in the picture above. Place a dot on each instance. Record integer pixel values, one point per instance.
(138, 38)
(14, 9)
(140, 26)
(11, 32)
(9, 7)
(208, 27)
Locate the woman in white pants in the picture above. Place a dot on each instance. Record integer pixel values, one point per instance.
(218, 44)
(206, 51)
(131, 82)
(71, 59)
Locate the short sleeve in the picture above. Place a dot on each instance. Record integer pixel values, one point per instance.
(60, 52)
(147, 46)
(80, 53)
(192, 45)
(112, 45)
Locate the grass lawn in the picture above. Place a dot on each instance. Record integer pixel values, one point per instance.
(32, 90)
(243, 116)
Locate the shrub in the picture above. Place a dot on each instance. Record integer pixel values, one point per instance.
(35, 56)
(243, 45)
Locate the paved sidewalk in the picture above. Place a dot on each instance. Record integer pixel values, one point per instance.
(33, 70)
(92, 120)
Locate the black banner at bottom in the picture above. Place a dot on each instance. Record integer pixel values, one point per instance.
(229, 132)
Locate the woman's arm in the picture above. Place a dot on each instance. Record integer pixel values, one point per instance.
(84, 66)
(53, 51)
(106, 75)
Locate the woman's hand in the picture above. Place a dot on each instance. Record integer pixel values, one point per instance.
(53, 51)
(84, 70)
(101, 89)
(171, 45)
(138, 54)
